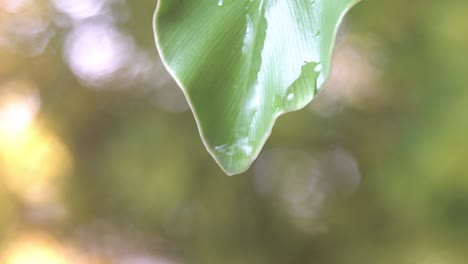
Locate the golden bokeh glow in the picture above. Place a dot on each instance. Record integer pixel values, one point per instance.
(34, 248)
(19, 104)
(31, 157)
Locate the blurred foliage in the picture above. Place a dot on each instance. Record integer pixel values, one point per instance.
(101, 162)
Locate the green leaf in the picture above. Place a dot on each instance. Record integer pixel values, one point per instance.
(243, 63)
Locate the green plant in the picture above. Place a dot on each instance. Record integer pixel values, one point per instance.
(243, 63)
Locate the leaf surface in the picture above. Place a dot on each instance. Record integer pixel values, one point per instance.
(243, 63)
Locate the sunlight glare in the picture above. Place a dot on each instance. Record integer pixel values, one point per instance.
(19, 105)
(34, 248)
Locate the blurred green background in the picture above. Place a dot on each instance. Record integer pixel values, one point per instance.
(101, 161)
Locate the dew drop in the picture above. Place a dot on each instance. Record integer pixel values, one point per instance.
(302, 90)
(220, 3)
(318, 68)
(241, 146)
(249, 35)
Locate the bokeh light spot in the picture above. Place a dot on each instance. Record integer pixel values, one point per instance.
(95, 52)
(35, 247)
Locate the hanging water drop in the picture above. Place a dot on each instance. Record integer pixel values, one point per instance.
(220, 2)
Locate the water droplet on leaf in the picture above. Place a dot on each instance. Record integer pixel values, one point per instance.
(297, 95)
